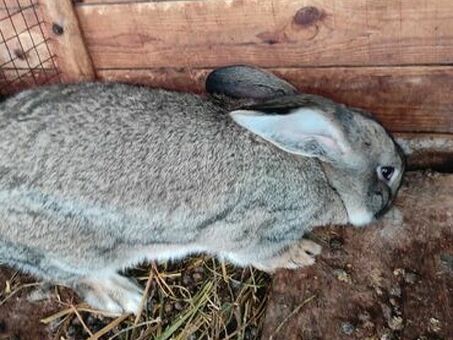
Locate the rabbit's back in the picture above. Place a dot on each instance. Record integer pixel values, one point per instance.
(97, 141)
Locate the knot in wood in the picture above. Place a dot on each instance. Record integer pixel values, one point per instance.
(57, 29)
(307, 16)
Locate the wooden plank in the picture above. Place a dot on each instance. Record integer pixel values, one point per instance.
(11, 82)
(16, 4)
(103, 2)
(22, 43)
(268, 33)
(427, 151)
(18, 15)
(62, 24)
(378, 282)
(404, 99)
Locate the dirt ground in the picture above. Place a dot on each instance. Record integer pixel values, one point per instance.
(388, 281)
(20, 319)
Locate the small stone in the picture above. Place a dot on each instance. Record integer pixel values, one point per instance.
(199, 270)
(342, 275)
(393, 302)
(186, 280)
(168, 307)
(368, 325)
(178, 306)
(447, 261)
(197, 277)
(410, 277)
(398, 272)
(347, 328)
(364, 316)
(396, 323)
(386, 311)
(386, 336)
(395, 291)
(434, 325)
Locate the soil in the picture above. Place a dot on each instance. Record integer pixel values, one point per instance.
(19, 318)
(393, 280)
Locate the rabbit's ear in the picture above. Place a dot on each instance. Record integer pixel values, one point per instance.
(242, 81)
(304, 131)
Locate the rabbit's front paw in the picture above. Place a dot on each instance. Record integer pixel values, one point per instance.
(113, 294)
(303, 253)
(299, 255)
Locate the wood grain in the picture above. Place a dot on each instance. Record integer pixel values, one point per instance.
(427, 151)
(404, 99)
(67, 42)
(268, 33)
(11, 82)
(16, 4)
(102, 2)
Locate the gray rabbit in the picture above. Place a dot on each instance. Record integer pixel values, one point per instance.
(95, 178)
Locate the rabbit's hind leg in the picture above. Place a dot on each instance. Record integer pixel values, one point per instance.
(33, 262)
(106, 291)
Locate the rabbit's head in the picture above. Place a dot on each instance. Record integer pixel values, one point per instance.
(361, 161)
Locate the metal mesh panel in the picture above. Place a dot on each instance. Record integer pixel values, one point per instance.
(25, 57)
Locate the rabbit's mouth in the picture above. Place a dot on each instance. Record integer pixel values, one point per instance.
(360, 217)
(373, 207)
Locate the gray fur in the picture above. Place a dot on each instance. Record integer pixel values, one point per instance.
(97, 177)
(247, 82)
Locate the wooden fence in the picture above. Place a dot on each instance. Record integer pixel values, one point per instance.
(391, 57)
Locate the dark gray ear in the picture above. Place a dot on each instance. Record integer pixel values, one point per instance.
(241, 81)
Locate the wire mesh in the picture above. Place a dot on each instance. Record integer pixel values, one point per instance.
(25, 57)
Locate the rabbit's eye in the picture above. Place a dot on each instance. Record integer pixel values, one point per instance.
(386, 172)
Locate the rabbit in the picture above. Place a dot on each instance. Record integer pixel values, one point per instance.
(98, 177)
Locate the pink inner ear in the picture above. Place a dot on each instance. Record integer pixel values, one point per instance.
(333, 145)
